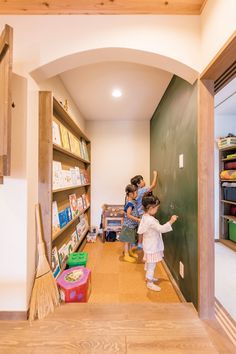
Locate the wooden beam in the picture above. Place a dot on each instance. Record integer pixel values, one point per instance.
(224, 59)
(206, 291)
(114, 7)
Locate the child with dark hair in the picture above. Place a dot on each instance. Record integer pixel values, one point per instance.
(128, 232)
(152, 230)
(139, 182)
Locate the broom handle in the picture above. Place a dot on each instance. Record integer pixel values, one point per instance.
(38, 223)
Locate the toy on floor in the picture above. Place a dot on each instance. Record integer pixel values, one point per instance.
(75, 284)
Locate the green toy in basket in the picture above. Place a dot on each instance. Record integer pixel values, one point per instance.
(77, 259)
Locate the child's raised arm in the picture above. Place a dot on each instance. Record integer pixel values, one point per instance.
(154, 181)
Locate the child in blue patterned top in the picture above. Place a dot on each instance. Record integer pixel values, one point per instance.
(128, 233)
(139, 182)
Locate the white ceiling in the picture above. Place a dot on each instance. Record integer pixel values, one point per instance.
(225, 100)
(91, 87)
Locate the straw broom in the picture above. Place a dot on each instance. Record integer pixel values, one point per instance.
(45, 295)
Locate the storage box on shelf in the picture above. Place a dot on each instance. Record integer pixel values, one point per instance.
(227, 157)
(64, 181)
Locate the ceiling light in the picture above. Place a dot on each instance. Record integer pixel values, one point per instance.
(116, 93)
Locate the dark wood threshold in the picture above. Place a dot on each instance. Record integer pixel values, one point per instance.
(13, 315)
(228, 243)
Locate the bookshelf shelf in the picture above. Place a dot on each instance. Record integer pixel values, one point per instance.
(54, 236)
(229, 217)
(64, 154)
(228, 202)
(68, 188)
(69, 153)
(228, 180)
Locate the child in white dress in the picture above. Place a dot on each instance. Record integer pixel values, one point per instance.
(152, 230)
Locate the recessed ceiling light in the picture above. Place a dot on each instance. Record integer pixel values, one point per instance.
(116, 93)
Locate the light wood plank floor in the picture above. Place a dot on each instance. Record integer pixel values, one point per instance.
(116, 281)
(110, 328)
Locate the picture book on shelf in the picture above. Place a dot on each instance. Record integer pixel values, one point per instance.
(56, 175)
(73, 205)
(80, 204)
(74, 239)
(55, 218)
(56, 135)
(78, 176)
(84, 201)
(63, 218)
(74, 144)
(65, 137)
(55, 262)
(85, 150)
(63, 254)
(68, 214)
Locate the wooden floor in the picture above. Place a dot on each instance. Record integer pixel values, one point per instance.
(108, 325)
(111, 328)
(116, 281)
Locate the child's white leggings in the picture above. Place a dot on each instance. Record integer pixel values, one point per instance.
(150, 269)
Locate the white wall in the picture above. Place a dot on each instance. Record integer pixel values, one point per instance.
(59, 91)
(120, 150)
(218, 23)
(224, 124)
(13, 206)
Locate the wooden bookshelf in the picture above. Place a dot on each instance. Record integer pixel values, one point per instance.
(50, 110)
(225, 204)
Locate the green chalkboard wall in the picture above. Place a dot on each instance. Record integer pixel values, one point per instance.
(174, 132)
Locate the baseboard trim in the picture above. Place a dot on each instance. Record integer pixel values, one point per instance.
(226, 321)
(173, 282)
(13, 315)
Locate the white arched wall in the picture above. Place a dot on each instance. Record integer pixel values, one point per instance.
(115, 54)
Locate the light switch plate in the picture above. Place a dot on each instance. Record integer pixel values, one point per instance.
(181, 269)
(181, 161)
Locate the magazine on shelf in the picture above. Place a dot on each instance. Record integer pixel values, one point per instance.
(55, 262)
(55, 218)
(63, 218)
(74, 145)
(56, 135)
(73, 205)
(65, 137)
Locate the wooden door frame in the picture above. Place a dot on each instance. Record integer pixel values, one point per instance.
(206, 91)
